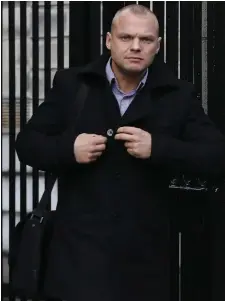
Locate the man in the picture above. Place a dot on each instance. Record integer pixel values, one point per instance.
(138, 126)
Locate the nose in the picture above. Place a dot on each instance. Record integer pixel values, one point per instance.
(135, 45)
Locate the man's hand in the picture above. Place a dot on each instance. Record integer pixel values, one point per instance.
(88, 147)
(137, 141)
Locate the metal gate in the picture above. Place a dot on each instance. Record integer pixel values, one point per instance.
(40, 37)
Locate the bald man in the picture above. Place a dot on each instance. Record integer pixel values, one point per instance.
(139, 125)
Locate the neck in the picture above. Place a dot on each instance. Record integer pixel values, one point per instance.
(126, 82)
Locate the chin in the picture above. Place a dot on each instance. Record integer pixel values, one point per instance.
(134, 69)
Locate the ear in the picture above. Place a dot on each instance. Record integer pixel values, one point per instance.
(108, 40)
(158, 44)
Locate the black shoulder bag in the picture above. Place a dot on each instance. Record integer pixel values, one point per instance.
(32, 235)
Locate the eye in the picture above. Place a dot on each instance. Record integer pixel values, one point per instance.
(146, 40)
(125, 38)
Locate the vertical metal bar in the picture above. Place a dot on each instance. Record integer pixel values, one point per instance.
(60, 34)
(101, 29)
(78, 50)
(180, 262)
(145, 3)
(216, 111)
(172, 10)
(35, 86)
(23, 103)
(23, 100)
(186, 40)
(130, 2)
(158, 9)
(197, 16)
(12, 123)
(2, 265)
(172, 14)
(47, 47)
(109, 10)
(216, 64)
(47, 55)
(204, 58)
(60, 54)
(211, 45)
(95, 29)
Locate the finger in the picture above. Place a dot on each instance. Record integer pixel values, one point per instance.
(98, 139)
(125, 137)
(93, 159)
(98, 147)
(95, 155)
(132, 152)
(129, 145)
(128, 130)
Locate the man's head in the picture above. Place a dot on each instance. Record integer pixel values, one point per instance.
(134, 39)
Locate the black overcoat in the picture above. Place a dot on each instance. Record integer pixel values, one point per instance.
(112, 230)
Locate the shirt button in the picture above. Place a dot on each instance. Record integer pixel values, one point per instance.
(110, 132)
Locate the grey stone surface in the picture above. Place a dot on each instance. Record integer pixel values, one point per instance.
(53, 43)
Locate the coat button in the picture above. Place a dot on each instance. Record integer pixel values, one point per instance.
(110, 132)
(115, 215)
(118, 175)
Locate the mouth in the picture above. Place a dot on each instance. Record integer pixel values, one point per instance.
(135, 58)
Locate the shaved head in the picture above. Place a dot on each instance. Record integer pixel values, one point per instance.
(135, 9)
(133, 41)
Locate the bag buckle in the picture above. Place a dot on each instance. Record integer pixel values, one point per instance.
(35, 216)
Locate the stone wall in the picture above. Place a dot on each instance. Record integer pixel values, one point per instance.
(5, 50)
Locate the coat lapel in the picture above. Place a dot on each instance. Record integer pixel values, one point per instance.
(159, 78)
(139, 108)
(110, 107)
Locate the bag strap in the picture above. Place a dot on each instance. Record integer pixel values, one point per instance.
(46, 197)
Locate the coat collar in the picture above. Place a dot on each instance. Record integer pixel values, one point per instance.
(159, 77)
(159, 74)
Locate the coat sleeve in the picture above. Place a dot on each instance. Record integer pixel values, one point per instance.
(46, 142)
(200, 149)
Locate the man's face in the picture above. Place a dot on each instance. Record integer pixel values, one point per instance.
(133, 42)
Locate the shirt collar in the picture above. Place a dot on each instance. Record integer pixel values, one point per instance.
(111, 76)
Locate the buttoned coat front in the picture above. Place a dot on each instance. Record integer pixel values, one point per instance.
(112, 227)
